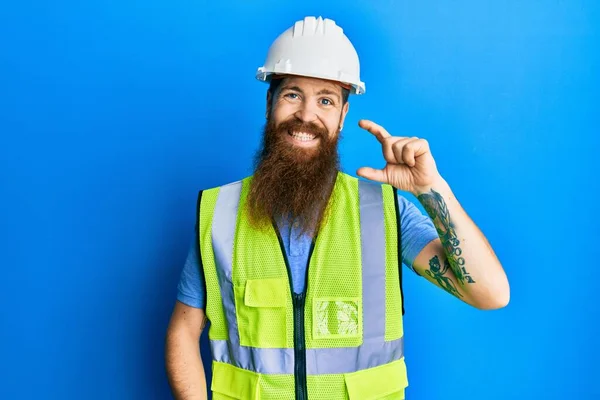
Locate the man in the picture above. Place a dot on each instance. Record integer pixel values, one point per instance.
(298, 267)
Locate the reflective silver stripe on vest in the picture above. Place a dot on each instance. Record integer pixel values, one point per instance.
(264, 361)
(223, 235)
(372, 352)
(343, 360)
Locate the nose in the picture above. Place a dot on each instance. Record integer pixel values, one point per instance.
(306, 113)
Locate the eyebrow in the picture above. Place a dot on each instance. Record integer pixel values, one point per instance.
(294, 88)
(329, 92)
(320, 92)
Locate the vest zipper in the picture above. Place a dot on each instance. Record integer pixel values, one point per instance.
(299, 346)
(298, 303)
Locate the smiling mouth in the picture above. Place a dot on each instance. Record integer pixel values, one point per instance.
(302, 136)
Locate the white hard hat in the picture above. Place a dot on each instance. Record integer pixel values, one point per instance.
(317, 48)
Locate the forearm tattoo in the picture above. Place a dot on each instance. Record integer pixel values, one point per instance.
(436, 272)
(438, 211)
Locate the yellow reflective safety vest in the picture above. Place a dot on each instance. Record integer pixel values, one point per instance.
(342, 338)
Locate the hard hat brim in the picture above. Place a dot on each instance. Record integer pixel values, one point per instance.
(356, 89)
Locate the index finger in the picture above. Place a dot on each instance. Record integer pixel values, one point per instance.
(377, 130)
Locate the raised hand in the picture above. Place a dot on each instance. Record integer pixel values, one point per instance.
(409, 163)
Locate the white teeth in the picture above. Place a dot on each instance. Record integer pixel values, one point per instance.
(303, 136)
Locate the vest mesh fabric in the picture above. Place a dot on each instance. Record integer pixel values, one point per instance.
(254, 258)
(214, 307)
(334, 275)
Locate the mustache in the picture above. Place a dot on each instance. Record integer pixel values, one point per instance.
(295, 125)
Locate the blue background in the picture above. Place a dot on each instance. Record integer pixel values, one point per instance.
(114, 113)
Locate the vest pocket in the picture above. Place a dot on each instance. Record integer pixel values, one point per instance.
(261, 312)
(232, 383)
(384, 382)
(337, 318)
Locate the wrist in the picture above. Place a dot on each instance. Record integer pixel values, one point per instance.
(439, 185)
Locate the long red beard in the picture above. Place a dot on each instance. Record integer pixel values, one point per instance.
(292, 182)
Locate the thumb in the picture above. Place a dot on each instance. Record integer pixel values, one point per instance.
(373, 174)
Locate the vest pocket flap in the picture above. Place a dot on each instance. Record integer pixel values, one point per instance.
(270, 292)
(234, 382)
(378, 382)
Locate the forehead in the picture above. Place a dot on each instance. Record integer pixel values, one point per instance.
(310, 84)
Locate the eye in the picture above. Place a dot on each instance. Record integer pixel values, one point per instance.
(326, 101)
(291, 96)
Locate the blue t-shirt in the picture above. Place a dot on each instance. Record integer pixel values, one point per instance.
(417, 231)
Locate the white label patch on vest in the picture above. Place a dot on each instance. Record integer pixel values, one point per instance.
(335, 318)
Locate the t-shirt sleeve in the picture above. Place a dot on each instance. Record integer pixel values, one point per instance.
(191, 287)
(416, 228)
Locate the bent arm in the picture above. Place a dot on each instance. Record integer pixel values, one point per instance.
(461, 261)
(182, 353)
